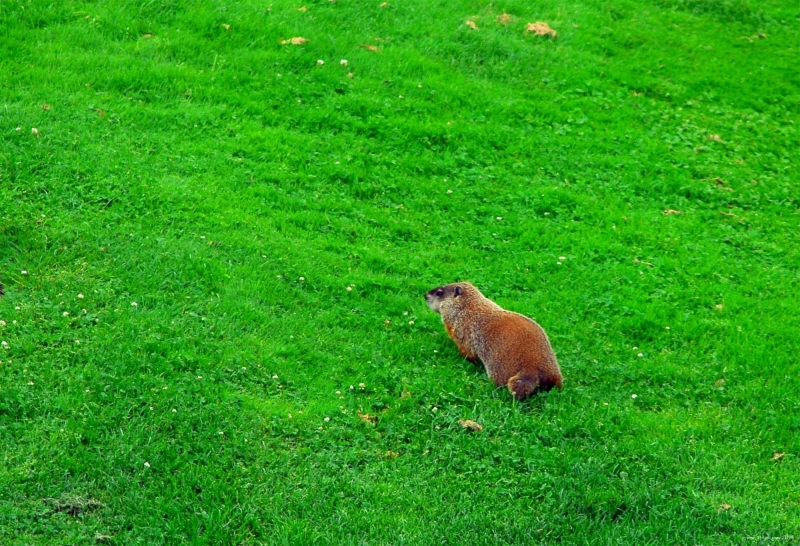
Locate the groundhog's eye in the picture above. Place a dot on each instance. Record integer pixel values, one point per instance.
(440, 292)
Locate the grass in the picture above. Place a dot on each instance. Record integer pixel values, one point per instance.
(186, 364)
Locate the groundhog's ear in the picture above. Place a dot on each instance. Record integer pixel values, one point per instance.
(459, 291)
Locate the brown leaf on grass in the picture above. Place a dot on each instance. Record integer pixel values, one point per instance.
(719, 306)
(504, 19)
(471, 24)
(147, 36)
(371, 47)
(715, 138)
(778, 456)
(671, 211)
(226, 26)
(45, 107)
(383, 5)
(724, 506)
(298, 40)
(719, 383)
(302, 8)
(469, 424)
(722, 184)
(541, 29)
(405, 394)
(367, 418)
(391, 454)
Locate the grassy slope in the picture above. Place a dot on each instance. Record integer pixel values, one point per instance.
(200, 172)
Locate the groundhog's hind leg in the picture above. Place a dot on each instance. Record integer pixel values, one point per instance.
(523, 384)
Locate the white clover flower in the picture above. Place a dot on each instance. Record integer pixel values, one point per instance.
(66, 313)
(633, 396)
(343, 62)
(146, 464)
(320, 62)
(640, 354)
(327, 419)
(134, 304)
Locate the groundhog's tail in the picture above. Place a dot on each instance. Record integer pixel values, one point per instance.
(523, 384)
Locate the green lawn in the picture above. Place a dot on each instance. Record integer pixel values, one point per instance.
(215, 250)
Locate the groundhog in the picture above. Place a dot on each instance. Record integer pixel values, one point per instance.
(514, 349)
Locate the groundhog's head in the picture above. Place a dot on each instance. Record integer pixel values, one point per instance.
(447, 294)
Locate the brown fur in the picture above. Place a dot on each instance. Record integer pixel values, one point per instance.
(514, 349)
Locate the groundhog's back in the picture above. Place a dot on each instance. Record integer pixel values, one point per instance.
(513, 343)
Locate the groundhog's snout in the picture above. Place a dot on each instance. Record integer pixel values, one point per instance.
(432, 301)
